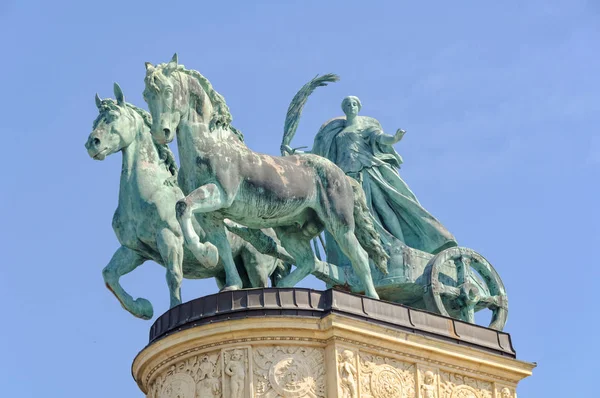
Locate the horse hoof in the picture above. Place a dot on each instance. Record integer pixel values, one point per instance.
(230, 288)
(144, 309)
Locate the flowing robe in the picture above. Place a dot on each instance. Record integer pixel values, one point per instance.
(359, 152)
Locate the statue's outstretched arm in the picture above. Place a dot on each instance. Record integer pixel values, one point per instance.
(387, 139)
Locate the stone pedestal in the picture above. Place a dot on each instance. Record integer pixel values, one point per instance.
(271, 343)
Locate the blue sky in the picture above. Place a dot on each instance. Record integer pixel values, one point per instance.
(500, 100)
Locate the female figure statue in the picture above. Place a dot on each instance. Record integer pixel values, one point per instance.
(358, 145)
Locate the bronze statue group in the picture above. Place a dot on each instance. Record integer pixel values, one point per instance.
(245, 218)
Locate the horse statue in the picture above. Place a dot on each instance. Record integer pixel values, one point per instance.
(298, 196)
(145, 221)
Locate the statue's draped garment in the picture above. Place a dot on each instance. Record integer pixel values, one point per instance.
(358, 152)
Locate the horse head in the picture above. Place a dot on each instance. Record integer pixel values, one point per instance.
(167, 99)
(114, 128)
(175, 94)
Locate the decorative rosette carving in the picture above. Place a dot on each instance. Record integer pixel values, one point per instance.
(289, 372)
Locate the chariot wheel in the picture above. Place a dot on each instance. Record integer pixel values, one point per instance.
(468, 292)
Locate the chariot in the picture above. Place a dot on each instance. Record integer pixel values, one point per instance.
(299, 197)
(456, 282)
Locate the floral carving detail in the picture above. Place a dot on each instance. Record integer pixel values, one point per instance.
(465, 392)
(386, 377)
(289, 372)
(386, 382)
(459, 386)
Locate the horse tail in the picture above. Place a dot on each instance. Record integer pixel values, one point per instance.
(365, 229)
(292, 118)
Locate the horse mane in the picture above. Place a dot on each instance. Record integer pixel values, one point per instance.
(164, 152)
(221, 116)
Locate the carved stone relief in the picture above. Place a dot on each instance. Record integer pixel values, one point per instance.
(348, 373)
(236, 373)
(209, 380)
(179, 385)
(195, 377)
(286, 371)
(386, 377)
(459, 386)
(289, 372)
(428, 385)
(504, 392)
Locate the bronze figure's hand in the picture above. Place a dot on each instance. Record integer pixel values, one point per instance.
(399, 134)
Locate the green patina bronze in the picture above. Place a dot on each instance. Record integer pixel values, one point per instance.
(298, 196)
(358, 145)
(145, 222)
(426, 269)
(242, 217)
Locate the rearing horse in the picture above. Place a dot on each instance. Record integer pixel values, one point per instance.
(145, 221)
(298, 196)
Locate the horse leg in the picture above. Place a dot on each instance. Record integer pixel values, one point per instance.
(298, 245)
(220, 280)
(349, 244)
(170, 248)
(204, 199)
(123, 262)
(216, 235)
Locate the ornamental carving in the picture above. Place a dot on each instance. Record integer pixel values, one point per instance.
(504, 392)
(382, 377)
(348, 373)
(195, 377)
(459, 386)
(428, 385)
(179, 385)
(289, 372)
(465, 392)
(236, 373)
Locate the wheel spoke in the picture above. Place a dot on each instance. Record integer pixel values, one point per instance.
(446, 290)
(467, 313)
(463, 269)
(494, 301)
(473, 285)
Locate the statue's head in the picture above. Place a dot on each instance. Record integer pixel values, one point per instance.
(429, 377)
(506, 393)
(292, 374)
(348, 355)
(113, 128)
(236, 355)
(351, 105)
(164, 95)
(175, 94)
